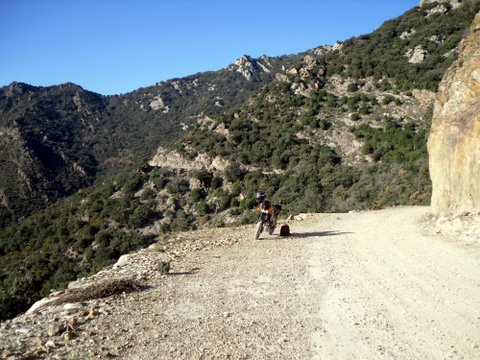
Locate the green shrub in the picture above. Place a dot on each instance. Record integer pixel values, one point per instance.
(178, 186)
(204, 176)
(388, 99)
(202, 208)
(234, 172)
(355, 117)
(217, 182)
(142, 216)
(197, 194)
(352, 87)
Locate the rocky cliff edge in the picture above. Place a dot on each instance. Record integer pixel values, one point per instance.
(453, 144)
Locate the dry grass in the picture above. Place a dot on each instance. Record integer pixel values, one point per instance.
(99, 290)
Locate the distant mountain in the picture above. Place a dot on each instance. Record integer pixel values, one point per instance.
(46, 140)
(56, 140)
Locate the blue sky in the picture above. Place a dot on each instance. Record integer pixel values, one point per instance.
(116, 46)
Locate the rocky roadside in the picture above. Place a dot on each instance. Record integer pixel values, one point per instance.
(66, 324)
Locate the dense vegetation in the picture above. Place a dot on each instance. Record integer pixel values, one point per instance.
(383, 52)
(282, 140)
(82, 234)
(43, 156)
(59, 139)
(54, 246)
(89, 230)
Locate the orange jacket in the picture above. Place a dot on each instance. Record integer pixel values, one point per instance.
(269, 211)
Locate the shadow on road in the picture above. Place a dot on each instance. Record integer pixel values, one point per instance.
(184, 273)
(305, 235)
(318, 234)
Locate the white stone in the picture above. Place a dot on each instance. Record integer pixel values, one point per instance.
(476, 75)
(39, 304)
(453, 3)
(407, 34)
(72, 306)
(122, 261)
(157, 103)
(416, 55)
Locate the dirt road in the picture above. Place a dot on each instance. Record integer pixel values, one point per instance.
(366, 285)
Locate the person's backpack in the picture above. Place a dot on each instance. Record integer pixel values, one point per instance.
(285, 230)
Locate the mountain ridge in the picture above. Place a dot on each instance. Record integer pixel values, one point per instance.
(82, 124)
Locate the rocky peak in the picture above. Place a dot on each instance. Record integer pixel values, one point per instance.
(245, 61)
(323, 49)
(305, 77)
(247, 66)
(70, 86)
(18, 88)
(455, 134)
(453, 3)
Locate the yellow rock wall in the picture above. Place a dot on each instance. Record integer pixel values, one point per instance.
(454, 141)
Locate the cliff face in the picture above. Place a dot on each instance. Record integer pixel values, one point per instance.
(454, 142)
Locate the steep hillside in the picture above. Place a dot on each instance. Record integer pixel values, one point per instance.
(414, 49)
(333, 133)
(56, 140)
(45, 145)
(85, 232)
(154, 115)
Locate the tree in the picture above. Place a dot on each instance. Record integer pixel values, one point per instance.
(234, 172)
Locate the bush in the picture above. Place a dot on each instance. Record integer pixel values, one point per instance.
(250, 217)
(160, 177)
(141, 216)
(202, 208)
(197, 194)
(178, 186)
(204, 176)
(234, 172)
(352, 87)
(217, 182)
(388, 99)
(355, 117)
(133, 183)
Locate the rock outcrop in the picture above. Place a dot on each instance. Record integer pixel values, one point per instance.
(416, 55)
(248, 66)
(454, 142)
(453, 3)
(174, 160)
